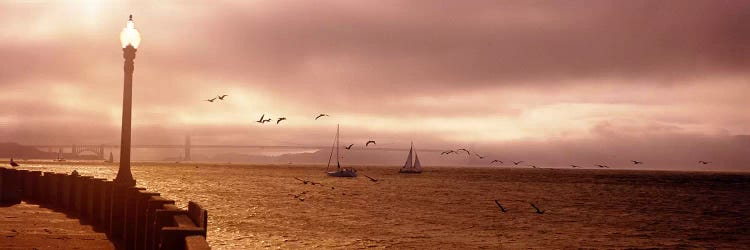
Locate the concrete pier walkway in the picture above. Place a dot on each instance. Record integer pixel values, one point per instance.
(27, 226)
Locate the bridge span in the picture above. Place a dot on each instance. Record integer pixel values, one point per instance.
(100, 149)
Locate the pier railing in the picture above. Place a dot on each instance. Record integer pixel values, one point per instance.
(132, 218)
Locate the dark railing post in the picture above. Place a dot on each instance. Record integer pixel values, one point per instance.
(129, 226)
(141, 210)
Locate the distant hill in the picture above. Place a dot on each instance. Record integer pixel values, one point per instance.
(15, 150)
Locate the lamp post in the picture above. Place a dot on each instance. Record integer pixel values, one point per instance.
(129, 39)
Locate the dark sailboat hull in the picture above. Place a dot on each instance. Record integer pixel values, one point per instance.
(342, 173)
(410, 171)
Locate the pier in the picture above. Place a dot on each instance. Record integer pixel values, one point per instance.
(131, 218)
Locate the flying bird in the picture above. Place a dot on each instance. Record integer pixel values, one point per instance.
(463, 149)
(447, 152)
(349, 147)
(502, 209)
(221, 97)
(704, 162)
(371, 179)
(266, 120)
(602, 166)
(280, 119)
(575, 166)
(211, 100)
(533, 166)
(537, 209)
(493, 161)
(480, 157)
(368, 143)
(320, 115)
(303, 181)
(637, 162)
(261, 119)
(517, 162)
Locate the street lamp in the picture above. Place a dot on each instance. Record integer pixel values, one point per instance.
(129, 39)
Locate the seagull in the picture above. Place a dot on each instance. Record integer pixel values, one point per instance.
(493, 161)
(480, 157)
(602, 166)
(280, 119)
(349, 147)
(13, 163)
(299, 196)
(575, 166)
(537, 209)
(517, 162)
(371, 179)
(502, 209)
(221, 97)
(637, 162)
(463, 149)
(447, 152)
(320, 115)
(368, 143)
(261, 119)
(211, 100)
(303, 181)
(267, 120)
(704, 162)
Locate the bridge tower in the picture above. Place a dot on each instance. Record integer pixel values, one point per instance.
(187, 148)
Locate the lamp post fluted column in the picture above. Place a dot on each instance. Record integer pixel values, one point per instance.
(124, 176)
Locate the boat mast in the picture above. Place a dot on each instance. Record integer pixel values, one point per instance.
(338, 165)
(332, 145)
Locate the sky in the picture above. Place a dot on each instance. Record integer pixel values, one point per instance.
(598, 80)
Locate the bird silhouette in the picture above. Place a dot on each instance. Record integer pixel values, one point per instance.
(280, 119)
(320, 115)
(704, 162)
(637, 162)
(349, 147)
(261, 119)
(447, 152)
(13, 163)
(601, 166)
(371, 179)
(463, 149)
(221, 97)
(480, 157)
(303, 181)
(537, 209)
(517, 162)
(368, 143)
(211, 100)
(267, 120)
(493, 161)
(575, 166)
(502, 209)
(532, 166)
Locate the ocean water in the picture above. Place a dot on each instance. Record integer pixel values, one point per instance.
(255, 206)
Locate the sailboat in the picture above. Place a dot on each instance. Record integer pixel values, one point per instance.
(410, 168)
(339, 171)
(59, 156)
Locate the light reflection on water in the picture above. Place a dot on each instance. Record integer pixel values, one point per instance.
(253, 206)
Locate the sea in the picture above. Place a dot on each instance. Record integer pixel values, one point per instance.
(267, 207)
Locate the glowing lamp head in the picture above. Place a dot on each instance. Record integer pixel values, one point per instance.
(129, 35)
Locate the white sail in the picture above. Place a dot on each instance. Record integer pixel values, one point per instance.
(408, 160)
(417, 166)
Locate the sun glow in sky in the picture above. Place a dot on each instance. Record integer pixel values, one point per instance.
(459, 73)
